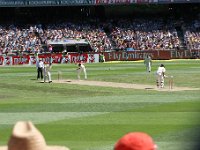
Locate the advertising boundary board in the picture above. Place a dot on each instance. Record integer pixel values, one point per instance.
(94, 57)
(155, 54)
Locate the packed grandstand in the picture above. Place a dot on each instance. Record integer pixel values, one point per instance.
(99, 29)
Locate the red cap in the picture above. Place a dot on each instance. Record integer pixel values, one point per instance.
(135, 141)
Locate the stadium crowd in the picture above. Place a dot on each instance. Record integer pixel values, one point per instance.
(192, 35)
(145, 35)
(122, 34)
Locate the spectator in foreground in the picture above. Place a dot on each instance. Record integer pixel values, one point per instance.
(135, 141)
(25, 136)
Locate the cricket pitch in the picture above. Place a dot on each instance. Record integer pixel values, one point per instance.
(122, 85)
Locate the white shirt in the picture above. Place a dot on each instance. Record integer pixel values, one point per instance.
(161, 70)
(48, 68)
(40, 64)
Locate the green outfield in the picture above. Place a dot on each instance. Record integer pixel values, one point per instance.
(93, 118)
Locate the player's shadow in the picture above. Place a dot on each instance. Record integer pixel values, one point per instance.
(149, 88)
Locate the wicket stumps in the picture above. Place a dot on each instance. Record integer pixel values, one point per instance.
(171, 82)
(59, 75)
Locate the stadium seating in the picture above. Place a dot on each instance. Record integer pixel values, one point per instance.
(123, 34)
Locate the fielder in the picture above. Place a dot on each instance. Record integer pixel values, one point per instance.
(160, 75)
(81, 68)
(47, 72)
(148, 63)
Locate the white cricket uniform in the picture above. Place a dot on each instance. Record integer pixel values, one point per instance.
(47, 73)
(160, 77)
(148, 63)
(81, 68)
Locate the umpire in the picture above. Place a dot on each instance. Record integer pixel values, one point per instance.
(40, 67)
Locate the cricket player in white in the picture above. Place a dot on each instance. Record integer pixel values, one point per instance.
(81, 68)
(160, 75)
(148, 63)
(47, 72)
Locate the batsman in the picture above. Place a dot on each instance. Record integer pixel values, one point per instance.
(47, 72)
(81, 68)
(160, 75)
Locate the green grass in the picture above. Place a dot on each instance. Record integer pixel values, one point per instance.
(94, 118)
